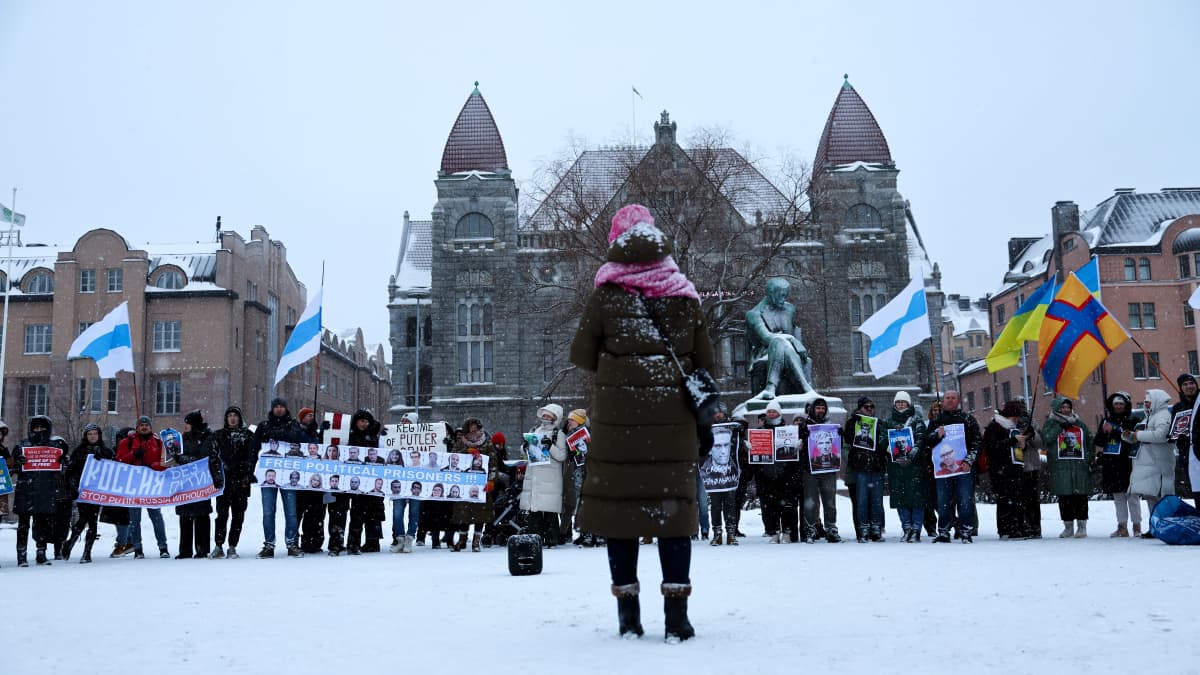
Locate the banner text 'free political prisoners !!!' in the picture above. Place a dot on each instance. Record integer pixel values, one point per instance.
(410, 462)
(110, 483)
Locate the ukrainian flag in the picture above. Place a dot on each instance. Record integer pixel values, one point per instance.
(1077, 334)
(1025, 325)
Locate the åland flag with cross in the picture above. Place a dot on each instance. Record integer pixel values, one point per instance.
(1077, 335)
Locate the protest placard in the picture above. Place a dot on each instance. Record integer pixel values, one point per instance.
(762, 446)
(720, 471)
(787, 443)
(577, 445)
(824, 448)
(1181, 424)
(110, 483)
(864, 432)
(42, 458)
(1018, 454)
(537, 448)
(901, 446)
(949, 455)
(1070, 443)
(408, 437)
(6, 484)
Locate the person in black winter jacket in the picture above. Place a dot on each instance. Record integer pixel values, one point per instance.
(1183, 442)
(36, 491)
(1008, 432)
(279, 426)
(868, 466)
(235, 448)
(310, 504)
(92, 445)
(194, 526)
(366, 512)
(820, 489)
(955, 491)
(780, 489)
(1116, 465)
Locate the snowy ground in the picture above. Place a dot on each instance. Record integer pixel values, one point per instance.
(1094, 605)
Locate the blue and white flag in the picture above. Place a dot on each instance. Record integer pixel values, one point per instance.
(107, 342)
(305, 341)
(7, 215)
(898, 325)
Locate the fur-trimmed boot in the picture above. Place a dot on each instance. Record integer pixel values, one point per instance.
(675, 602)
(629, 609)
(1081, 529)
(716, 540)
(1068, 530)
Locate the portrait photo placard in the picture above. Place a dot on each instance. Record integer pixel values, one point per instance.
(720, 470)
(787, 443)
(824, 448)
(1070, 444)
(950, 455)
(864, 432)
(901, 447)
(762, 446)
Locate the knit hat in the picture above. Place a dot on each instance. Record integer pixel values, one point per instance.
(90, 427)
(194, 419)
(902, 396)
(304, 412)
(628, 216)
(1186, 377)
(1013, 408)
(579, 415)
(279, 400)
(498, 439)
(144, 419)
(774, 405)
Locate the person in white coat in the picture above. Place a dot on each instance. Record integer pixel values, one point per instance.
(542, 493)
(1153, 474)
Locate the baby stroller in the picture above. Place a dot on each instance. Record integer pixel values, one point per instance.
(508, 519)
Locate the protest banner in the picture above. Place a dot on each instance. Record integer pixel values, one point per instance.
(1070, 443)
(787, 443)
(537, 447)
(720, 470)
(6, 484)
(415, 474)
(901, 446)
(949, 455)
(1181, 424)
(42, 458)
(421, 437)
(824, 448)
(864, 432)
(762, 446)
(577, 445)
(110, 483)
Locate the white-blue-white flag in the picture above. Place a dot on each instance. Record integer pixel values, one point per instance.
(305, 341)
(898, 325)
(107, 342)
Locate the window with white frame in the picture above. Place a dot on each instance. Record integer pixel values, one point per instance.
(37, 399)
(39, 283)
(87, 281)
(473, 337)
(38, 338)
(168, 336)
(169, 279)
(116, 280)
(166, 396)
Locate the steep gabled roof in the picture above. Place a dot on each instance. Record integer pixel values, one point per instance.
(1132, 218)
(851, 133)
(474, 143)
(414, 267)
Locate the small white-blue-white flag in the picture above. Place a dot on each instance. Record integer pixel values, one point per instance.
(898, 325)
(107, 342)
(305, 341)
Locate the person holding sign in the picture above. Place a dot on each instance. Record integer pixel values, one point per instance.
(779, 485)
(366, 511)
(541, 495)
(1114, 455)
(1153, 474)
(92, 445)
(280, 428)
(476, 443)
(143, 448)
(37, 464)
(867, 461)
(955, 483)
(820, 476)
(1181, 432)
(194, 525)
(1008, 441)
(906, 470)
(235, 448)
(1069, 458)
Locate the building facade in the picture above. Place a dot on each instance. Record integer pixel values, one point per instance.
(1148, 248)
(488, 289)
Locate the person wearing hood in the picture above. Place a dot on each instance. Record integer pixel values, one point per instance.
(235, 448)
(194, 525)
(542, 493)
(1008, 434)
(311, 504)
(1069, 455)
(780, 485)
(36, 491)
(92, 445)
(820, 489)
(642, 461)
(906, 474)
(437, 515)
(144, 448)
(868, 467)
(476, 443)
(6, 514)
(1114, 455)
(279, 426)
(955, 492)
(1183, 442)
(1153, 475)
(366, 512)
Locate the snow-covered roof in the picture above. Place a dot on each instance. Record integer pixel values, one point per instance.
(967, 320)
(973, 367)
(919, 264)
(198, 260)
(414, 266)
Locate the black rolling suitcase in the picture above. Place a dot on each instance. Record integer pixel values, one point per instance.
(524, 555)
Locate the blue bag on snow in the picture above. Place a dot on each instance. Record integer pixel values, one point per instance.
(1175, 522)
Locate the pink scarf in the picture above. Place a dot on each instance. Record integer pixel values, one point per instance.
(658, 279)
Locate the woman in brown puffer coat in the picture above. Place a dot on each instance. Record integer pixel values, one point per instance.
(641, 478)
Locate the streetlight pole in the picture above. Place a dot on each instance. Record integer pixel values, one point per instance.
(418, 296)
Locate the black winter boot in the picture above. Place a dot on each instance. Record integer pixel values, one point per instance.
(22, 561)
(41, 556)
(69, 544)
(87, 551)
(629, 609)
(675, 608)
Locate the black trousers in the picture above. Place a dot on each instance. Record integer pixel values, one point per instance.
(310, 511)
(194, 533)
(722, 506)
(338, 511)
(366, 522)
(1006, 487)
(1031, 502)
(1073, 507)
(233, 502)
(43, 529)
(89, 518)
(63, 510)
(544, 523)
(858, 530)
(674, 555)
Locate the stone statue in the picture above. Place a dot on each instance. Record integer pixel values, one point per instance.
(776, 350)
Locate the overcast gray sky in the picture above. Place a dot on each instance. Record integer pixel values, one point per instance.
(324, 122)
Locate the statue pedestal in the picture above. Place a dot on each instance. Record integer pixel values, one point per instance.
(791, 405)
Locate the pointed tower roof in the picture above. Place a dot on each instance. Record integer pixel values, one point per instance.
(474, 143)
(851, 133)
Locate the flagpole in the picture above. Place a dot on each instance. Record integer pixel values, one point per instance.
(317, 377)
(935, 369)
(632, 130)
(1157, 367)
(12, 223)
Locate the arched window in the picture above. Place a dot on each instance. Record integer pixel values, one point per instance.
(1130, 270)
(1143, 269)
(40, 282)
(169, 279)
(862, 215)
(474, 226)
